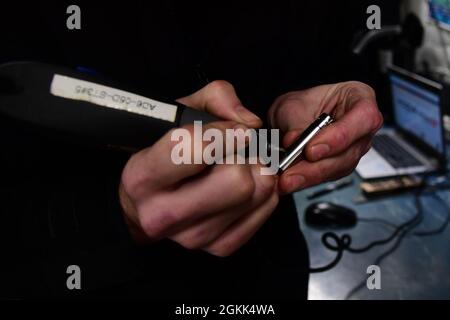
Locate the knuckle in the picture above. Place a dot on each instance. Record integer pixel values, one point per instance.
(189, 244)
(246, 188)
(286, 99)
(200, 237)
(156, 222)
(151, 229)
(287, 107)
(222, 250)
(316, 175)
(134, 183)
(196, 237)
(241, 181)
(129, 181)
(367, 88)
(373, 115)
(362, 87)
(341, 138)
(217, 87)
(378, 121)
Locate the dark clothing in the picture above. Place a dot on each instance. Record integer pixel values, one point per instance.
(59, 201)
(60, 207)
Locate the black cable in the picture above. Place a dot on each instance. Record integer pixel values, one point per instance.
(342, 243)
(432, 232)
(379, 221)
(436, 231)
(418, 219)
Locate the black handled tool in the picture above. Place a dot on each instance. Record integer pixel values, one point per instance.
(87, 107)
(90, 108)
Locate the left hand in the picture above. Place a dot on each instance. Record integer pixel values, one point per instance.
(337, 149)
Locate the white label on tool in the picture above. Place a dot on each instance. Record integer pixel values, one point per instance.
(71, 88)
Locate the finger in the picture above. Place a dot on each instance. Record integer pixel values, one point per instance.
(201, 233)
(176, 156)
(206, 230)
(243, 229)
(290, 137)
(219, 98)
(362, 120)
(289, 110)
(221, 188)
(305, 174)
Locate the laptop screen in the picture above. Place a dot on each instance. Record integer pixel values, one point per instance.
(417, 110)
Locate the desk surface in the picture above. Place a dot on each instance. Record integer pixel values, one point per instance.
(418, 269)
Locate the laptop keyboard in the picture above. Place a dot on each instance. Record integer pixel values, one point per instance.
(394, 153)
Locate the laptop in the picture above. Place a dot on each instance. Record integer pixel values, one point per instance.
(415, 143)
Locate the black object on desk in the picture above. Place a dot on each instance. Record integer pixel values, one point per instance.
(416, 270)
(327, 214)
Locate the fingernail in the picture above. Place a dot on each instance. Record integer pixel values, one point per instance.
(246, 115)
(319, 151)
(295, 182)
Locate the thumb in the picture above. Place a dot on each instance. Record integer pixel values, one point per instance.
(219, 98)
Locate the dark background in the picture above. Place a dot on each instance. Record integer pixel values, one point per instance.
(173, 47)
(59, 201)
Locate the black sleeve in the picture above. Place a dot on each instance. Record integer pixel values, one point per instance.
(59, 207)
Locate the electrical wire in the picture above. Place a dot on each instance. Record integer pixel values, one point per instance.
(343, 243)
(417, 219)
(419, 216)
(379, 221)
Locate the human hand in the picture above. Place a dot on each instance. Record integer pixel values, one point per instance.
(215, 208)
(337, 149)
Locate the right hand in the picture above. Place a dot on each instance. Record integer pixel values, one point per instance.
(215, 208)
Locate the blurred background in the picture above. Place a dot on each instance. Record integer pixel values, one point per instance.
(415, 36)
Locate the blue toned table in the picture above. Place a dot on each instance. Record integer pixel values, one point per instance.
(418, 269)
